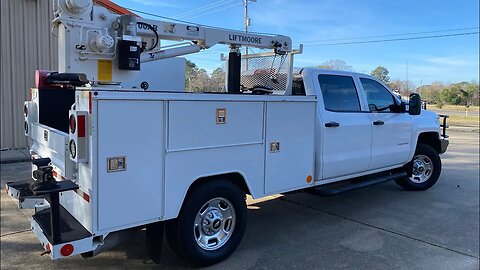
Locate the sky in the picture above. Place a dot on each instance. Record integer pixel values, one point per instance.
(446, 59)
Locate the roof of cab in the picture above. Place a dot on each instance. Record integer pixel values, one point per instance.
(336, 72)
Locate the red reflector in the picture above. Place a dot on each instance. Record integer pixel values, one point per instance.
(86, 197)
(73, 125)
(54, 173)
(90, 102)
(81, 126)
(47, 247)
(66, 250)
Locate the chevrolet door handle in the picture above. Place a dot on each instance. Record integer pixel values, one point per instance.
(378, 123)
(332, 124)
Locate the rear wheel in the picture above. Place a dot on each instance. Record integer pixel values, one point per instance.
(210, 225)
(425, 169)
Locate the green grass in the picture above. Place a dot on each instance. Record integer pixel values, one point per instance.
(457, 120)
(459, 108)
(457, 115)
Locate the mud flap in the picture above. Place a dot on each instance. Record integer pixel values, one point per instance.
(154, 240)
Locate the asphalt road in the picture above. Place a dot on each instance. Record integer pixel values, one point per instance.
(381, 227)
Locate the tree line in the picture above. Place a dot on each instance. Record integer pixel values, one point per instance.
(462, 93)
(198, 79)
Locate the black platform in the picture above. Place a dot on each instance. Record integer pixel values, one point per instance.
(22, 187)
(70, 228)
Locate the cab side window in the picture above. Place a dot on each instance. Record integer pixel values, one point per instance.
(339, 93)
(378, 97)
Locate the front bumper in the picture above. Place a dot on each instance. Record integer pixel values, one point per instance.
(443, 145)
(443, 136)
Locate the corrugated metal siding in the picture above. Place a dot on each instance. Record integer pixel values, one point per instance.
(26, 45)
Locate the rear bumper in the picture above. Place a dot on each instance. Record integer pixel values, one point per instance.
(443, 145)
(75, 239)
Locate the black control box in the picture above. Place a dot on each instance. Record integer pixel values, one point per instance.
(128, 55)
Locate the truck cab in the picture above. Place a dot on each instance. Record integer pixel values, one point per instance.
(362, 127)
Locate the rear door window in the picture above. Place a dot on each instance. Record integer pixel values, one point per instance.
(339, 93)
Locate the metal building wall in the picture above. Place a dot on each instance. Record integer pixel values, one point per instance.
(26, 45)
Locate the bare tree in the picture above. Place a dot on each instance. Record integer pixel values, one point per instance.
(336, 64)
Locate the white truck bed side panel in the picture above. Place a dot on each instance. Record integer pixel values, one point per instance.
(75, 203)
(200, 147)
(133, 130)
(78, 207)
(184, 167)
(292, 125)
(193, 124)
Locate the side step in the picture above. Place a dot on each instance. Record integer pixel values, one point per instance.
(70, 228)
(353, 184)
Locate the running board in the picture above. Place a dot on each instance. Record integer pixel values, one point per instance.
(348, 185)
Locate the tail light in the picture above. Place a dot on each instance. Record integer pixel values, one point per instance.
(73, 124)
(73, 148)
(78, 139)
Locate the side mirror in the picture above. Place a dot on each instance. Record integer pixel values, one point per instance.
(414, 104)
(403, 107)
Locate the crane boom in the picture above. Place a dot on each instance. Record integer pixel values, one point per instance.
(109, 47)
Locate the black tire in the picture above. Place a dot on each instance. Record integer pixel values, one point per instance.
(181, 232)
(414, 183)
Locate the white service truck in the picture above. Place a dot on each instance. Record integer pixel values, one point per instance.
(111, 157)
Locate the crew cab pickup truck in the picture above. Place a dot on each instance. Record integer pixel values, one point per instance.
(121, 159)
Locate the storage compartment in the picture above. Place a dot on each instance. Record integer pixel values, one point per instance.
(289, 157)
(206, 124)
(130, 162)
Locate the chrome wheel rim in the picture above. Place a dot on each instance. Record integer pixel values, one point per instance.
(422, 169)
(214, 224)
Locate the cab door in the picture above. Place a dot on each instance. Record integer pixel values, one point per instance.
(345, 128)
(391, 129)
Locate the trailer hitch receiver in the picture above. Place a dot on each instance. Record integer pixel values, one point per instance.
(45, 185)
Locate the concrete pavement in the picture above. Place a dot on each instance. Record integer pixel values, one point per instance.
(382, 227)
(14, 155)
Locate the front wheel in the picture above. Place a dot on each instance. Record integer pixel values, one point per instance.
(211, 223)
(425, 167)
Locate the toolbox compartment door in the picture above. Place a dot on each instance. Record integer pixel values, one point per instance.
(289, 149)
(134, 133)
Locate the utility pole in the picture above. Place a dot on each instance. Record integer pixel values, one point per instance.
(406, 72)
(247, 19)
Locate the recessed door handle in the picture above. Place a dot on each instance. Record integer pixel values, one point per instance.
(332, 124)
(378, 123)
